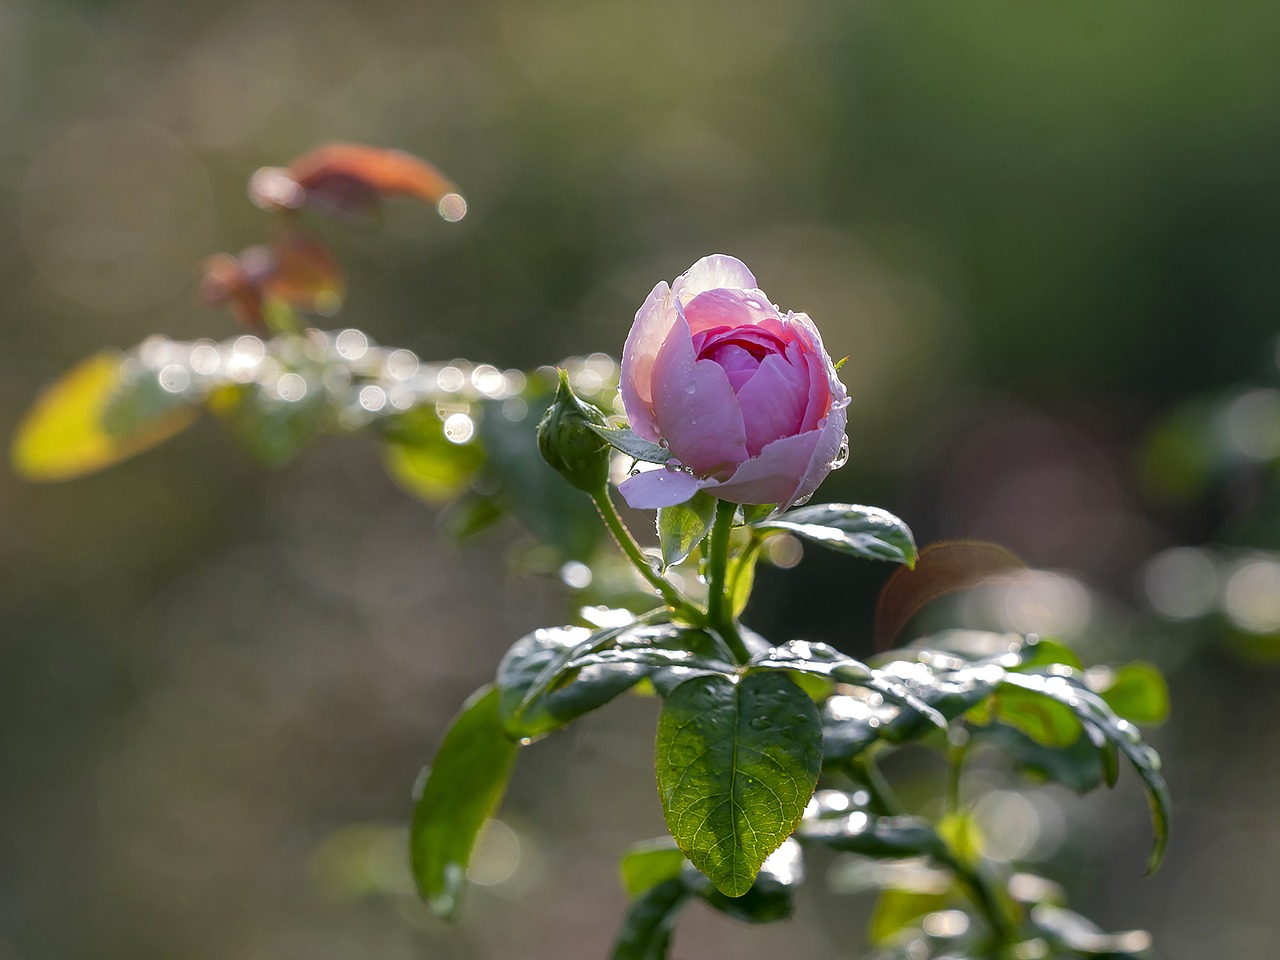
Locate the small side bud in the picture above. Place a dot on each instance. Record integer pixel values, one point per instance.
(568, 443)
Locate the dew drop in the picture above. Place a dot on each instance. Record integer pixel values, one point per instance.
(803, 500)
(842, 456)
(691, 389)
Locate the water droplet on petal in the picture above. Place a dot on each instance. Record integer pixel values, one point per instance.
(691, 389)
(842, 456)
(803, 500)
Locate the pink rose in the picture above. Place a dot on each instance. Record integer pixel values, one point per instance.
(744, 398)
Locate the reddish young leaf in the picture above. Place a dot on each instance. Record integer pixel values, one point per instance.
(942, 568)
(296, 269)
(351, 180)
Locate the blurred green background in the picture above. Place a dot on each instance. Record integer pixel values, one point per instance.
(1045, 235)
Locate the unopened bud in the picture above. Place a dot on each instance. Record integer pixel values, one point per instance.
(568, 443)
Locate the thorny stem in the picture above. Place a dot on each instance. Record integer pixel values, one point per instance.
(622, 536)
(719, 605)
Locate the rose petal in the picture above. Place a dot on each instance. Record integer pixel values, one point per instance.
(658, 488)
(831, 436)
(653, 321)
(695, 407)
(717, 270)
(738, 364)
(728, 308)
(772, 476)
(773, 402)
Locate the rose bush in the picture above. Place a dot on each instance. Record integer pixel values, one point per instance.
(747, 400)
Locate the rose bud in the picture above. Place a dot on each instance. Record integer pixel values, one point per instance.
(568, 443)
(746, 399)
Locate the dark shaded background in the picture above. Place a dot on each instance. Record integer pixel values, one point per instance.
(1037, 230)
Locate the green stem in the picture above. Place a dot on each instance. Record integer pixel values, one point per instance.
(622, 537)
(884, 802)
(719, 604)
(955, 758)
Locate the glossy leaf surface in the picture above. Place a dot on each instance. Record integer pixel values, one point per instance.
(624, 440)
(867, 532)
(736, 764)
(680, 528)
(463, 789)
(646, 931)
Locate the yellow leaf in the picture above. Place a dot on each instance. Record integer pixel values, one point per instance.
(70, 430)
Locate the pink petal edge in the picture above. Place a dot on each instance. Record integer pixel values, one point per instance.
(710, 273)
(648, 331)
(654, 489)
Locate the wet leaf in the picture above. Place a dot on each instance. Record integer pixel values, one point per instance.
(90, 419)
(859, 531)
(682, 527)
(1077, 767)
(1045, 652)
(632, 444)
(272, 430)
(1093, 712)
(463, 789)
(736, 764)
(771, 897)
(880, 837)
(823, 660)
(1046, 721)
(525, 715)
(1135, 691)
(554, 675)
(646, 931)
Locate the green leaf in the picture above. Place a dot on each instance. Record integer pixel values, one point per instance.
(650, 863)
(771, 897)
(1046, 721)
(632, 444)
(826, 661)
(867, 532)
(741, 576)
(550, 509)
(646, 931)
(1040, 652)
(90, 419)
(424, 462)
(1077, 767)
(682, 527)
(272, 430)
(736, 764)
(879, 837)
(1135, 691)
(465, 785)
(898, 909)
(1094, 712)
(529, 707)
